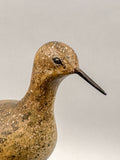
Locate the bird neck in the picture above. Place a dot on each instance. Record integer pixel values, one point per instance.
(41, 93)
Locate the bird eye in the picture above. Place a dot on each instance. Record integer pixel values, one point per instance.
(56, 60)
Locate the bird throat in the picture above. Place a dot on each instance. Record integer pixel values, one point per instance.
(41, 93)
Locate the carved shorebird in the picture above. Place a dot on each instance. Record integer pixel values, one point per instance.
(27, 127)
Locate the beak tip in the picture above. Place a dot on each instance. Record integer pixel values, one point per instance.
(105, 93)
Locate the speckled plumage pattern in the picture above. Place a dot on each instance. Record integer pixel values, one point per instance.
(27, 127)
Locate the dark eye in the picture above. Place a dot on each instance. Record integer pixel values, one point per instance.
(57, 60)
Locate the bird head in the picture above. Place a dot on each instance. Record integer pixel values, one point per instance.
(56, 60)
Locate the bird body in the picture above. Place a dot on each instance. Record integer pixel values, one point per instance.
(27, 132)
(27, 127)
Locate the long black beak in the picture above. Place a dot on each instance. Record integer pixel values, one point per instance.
(89, 80)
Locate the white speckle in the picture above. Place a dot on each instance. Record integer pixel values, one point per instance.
(31, 91)
(52, 47)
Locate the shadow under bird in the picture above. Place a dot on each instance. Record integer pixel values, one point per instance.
(27, 127)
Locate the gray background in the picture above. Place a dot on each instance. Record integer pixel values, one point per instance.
(88, 122)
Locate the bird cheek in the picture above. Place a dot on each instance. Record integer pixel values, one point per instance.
(64, 67)
(50, 72)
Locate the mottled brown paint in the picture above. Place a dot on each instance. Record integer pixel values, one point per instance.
(27, 127)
